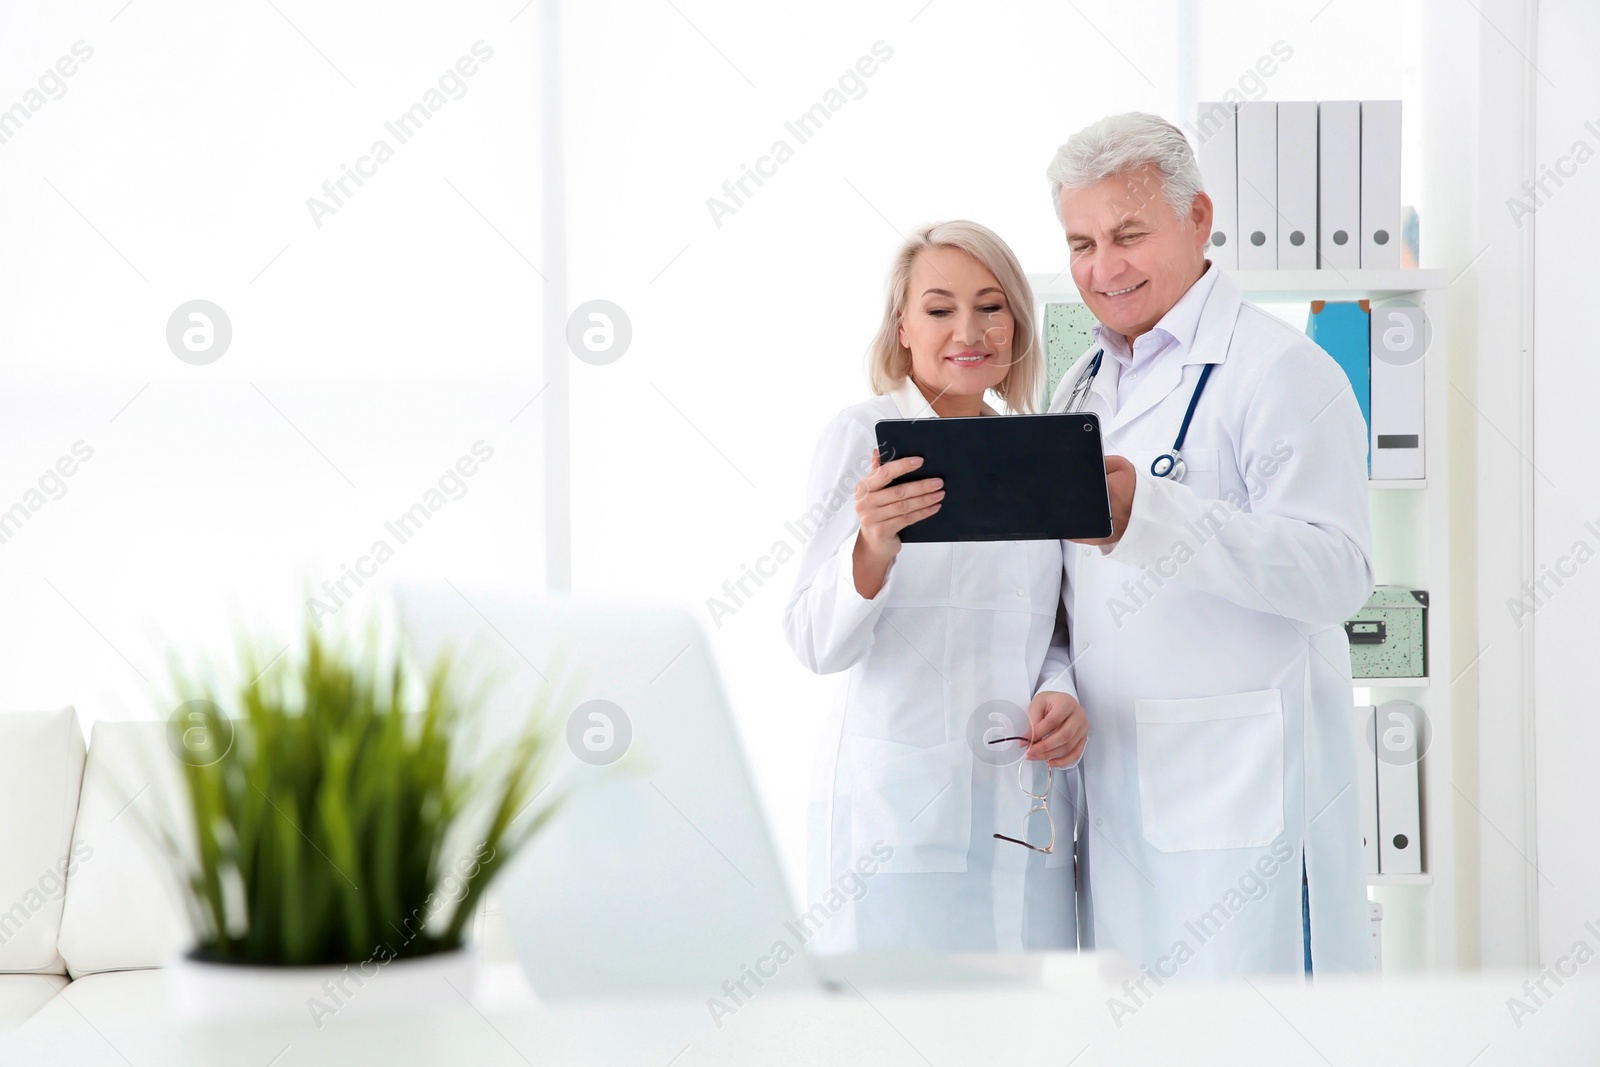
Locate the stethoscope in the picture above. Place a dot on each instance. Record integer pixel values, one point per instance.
(1168, 464)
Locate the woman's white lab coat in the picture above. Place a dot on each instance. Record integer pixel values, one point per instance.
(954, 628)
(1210, 656)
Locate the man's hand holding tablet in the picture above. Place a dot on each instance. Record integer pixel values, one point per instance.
(1121, 480)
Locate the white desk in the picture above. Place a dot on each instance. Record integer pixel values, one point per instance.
(1064, 1019)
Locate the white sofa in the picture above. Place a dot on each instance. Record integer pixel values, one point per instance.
(41, 770)
(82, 890)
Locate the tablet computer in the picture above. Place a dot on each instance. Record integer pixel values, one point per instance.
(1006, 477)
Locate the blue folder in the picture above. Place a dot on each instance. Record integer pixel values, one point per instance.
(1343, 329)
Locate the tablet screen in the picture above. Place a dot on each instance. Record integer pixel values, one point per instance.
(1007, 477)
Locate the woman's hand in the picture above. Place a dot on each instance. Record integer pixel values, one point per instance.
(1060, 729)
(884, 511)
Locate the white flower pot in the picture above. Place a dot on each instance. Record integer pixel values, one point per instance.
(206, 993)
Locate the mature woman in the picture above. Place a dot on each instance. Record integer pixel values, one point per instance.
(945, 645)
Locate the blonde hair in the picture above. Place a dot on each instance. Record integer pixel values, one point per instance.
(888, 361)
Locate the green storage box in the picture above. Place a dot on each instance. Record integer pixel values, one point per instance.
(1389, 636)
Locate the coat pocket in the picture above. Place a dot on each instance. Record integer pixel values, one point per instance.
(1211, 770)
(1202, 471)
(916, 800)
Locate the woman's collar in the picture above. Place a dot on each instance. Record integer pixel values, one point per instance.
(910, 402)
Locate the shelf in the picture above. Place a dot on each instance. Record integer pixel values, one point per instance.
(1389, 683)
(1399, 879)
(1324, 284)
(1287, 285)
(1397, 483)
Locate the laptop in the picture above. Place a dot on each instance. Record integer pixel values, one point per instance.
(659, 875)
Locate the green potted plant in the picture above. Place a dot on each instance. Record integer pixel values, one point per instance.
(343, 827)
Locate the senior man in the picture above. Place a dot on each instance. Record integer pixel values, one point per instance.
(1223, 831)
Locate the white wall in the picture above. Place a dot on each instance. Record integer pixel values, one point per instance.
(1566, 623)
(368, 353)
(1478, 92)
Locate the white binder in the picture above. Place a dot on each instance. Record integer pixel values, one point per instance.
(1339, 185)
(1297, 185)
(1216, 152)
(1380, 183)
(1399, 339)
(1367, 783)
(1258, 185)
(1399, 815)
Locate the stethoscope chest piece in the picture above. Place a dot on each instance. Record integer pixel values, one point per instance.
(1168, 465)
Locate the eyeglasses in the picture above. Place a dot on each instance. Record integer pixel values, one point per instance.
(1041, 801)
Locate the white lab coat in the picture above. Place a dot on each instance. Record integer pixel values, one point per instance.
(1211, 659)
(954, 627)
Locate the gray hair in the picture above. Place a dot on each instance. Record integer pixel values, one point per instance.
(1118, 144)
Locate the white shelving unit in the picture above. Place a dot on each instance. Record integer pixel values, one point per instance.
(1412, 547)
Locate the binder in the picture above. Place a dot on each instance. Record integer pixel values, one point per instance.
(1367, 782)
(1399, 814)
(1297, 185)
(1343, 329)
(1380, 183)
(1375, 925)
(1339, 185)
(1258, 185)
(1217, 153)
(1399, 339)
